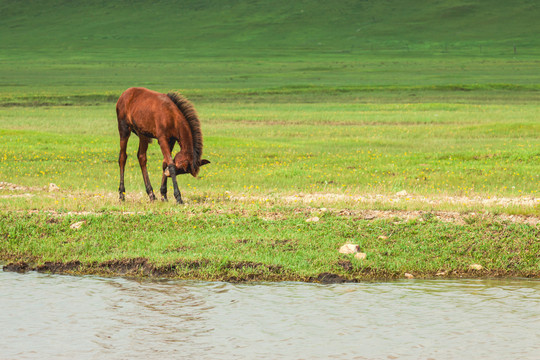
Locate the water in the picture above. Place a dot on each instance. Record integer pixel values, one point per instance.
(64, 317)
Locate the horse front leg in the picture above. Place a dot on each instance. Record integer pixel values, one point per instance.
(177, 195)
(141, 155)
(163, 188)
(167, 159)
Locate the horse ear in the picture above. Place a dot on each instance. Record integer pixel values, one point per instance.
(204, 162)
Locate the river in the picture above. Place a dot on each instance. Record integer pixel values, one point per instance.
(87, 317)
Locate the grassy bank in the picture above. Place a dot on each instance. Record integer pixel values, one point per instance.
(267, 243)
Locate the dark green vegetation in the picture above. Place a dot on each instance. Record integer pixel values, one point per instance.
(330, 102)
(93, 51)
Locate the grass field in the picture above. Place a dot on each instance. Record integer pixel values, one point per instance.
(263, 148)
(308, 109)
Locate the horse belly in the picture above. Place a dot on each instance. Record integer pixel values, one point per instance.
(146, 113)
(143, 122)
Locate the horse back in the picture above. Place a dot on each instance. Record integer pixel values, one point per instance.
(146, 112)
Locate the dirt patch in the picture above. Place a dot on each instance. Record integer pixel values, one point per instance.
(281, 244)
(397, 200)
(398, 215)
(127, 266)
(59, 267)
(242, 265)
(141, 266)
(13, 187)
(285, 244)
(16, 196)
(78, 213)
(329, 278)
(179, 249)
(345, 264)
(121, 267)
(446, 216)
(272, 216)
(405, 198)
(242, 241)
(247, 271)
(48, 266)
(20, 267)
(400, 199)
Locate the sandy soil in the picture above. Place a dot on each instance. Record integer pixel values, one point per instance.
(334, 204)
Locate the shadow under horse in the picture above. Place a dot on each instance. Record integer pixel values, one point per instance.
(169, 118)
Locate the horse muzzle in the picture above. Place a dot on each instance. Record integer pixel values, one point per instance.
(178, 171)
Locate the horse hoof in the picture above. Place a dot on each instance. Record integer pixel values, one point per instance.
(179, 201)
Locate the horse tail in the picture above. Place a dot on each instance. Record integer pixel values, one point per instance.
(187, 109)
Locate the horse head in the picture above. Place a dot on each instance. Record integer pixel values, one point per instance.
(183, 166)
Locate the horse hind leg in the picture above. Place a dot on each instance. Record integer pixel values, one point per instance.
(141, 155)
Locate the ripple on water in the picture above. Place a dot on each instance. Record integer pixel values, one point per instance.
(64, 317)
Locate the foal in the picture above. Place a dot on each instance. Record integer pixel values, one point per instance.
(169, 118)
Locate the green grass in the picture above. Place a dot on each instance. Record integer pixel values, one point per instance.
(99, 25)
(207, 244)
(304, 105)
(263, 148)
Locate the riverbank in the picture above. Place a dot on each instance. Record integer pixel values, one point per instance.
(270, 241)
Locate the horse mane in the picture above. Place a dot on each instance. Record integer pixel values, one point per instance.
(187, 109)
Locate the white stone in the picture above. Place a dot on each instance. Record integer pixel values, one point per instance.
(409, 276)
(402, 193)
(476, 267)
(360, 256)
(77, 225)
(349, 249)
(53, 187)
(313, 219)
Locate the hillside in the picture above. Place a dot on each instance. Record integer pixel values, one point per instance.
(102, 47)
(262, 25)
